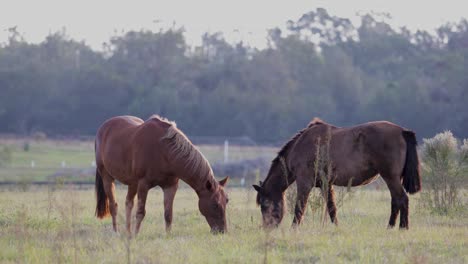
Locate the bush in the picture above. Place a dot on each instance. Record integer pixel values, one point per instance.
(26, 146)
(445, 170)
(38, 136)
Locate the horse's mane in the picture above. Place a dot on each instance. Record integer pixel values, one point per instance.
(162, 119)
(285, 148)
(181, 149)
(316, 121)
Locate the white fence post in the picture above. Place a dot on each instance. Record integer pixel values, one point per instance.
(226, 151)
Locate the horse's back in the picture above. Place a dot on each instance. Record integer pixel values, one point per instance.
(127, 147)
(364, 150)
(113, 145)
(357, 152)
(125, 128)
(117, 125)
(376, 137)
(116, 129)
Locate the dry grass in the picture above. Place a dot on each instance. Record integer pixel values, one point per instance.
(57, 225)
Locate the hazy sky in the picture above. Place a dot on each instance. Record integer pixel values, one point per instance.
(96, 20)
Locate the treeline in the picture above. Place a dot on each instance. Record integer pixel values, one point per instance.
(321, 66)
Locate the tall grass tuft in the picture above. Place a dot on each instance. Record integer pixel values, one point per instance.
(21, 234)
(445, 170)
(323, 175)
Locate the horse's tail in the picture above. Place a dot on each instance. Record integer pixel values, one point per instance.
(411, 176)
(102, 202)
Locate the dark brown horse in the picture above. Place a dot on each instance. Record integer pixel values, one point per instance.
(145, 154)
(356, 156)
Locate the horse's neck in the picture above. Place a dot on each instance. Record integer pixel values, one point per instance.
(279, 178)
(197, 182)
(281, 175)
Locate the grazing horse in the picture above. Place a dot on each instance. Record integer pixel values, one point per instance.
(145, 154)
(356, 156)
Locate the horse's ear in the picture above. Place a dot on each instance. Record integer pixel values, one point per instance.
(224, 181)
(208, 185)
(258, 188)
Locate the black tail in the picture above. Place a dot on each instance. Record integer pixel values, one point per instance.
(102, 202)
(411, 176)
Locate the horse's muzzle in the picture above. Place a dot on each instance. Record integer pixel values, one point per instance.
(216, 231)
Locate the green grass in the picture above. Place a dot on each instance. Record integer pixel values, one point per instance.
(57, 225)
(79, 156)
(51, 153)
(47, 156)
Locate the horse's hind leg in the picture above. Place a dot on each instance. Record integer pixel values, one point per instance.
(404, 212)
(109, 188)
(129, 201)
(399, 202)
(331, 205)
(169, 194)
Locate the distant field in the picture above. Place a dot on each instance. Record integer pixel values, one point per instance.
(58, 226)
(76, 157)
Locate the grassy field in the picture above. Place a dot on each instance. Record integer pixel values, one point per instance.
(78, 156)
(57, 224)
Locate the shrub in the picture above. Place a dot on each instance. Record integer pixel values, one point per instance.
(26, 146)
(38, 136)
(445, 171)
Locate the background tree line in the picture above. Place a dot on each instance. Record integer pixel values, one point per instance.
(322, 65)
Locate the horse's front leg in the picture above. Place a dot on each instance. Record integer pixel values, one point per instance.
(169, 194)
(143, 189)
(303, 191)
(129, 201)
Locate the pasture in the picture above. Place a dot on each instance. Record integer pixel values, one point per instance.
(56, 224)
(78, 156)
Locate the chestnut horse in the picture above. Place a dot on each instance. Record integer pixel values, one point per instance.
(145, 154)
(356, 156)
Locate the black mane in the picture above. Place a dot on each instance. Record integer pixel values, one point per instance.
(288, 145)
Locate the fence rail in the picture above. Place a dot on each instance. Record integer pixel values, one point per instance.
(41, 183)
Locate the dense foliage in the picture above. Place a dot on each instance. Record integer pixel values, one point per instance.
(445, 170)
(321, 66)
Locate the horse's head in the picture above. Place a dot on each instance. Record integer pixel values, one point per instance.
(212, 205)
(271, 205)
